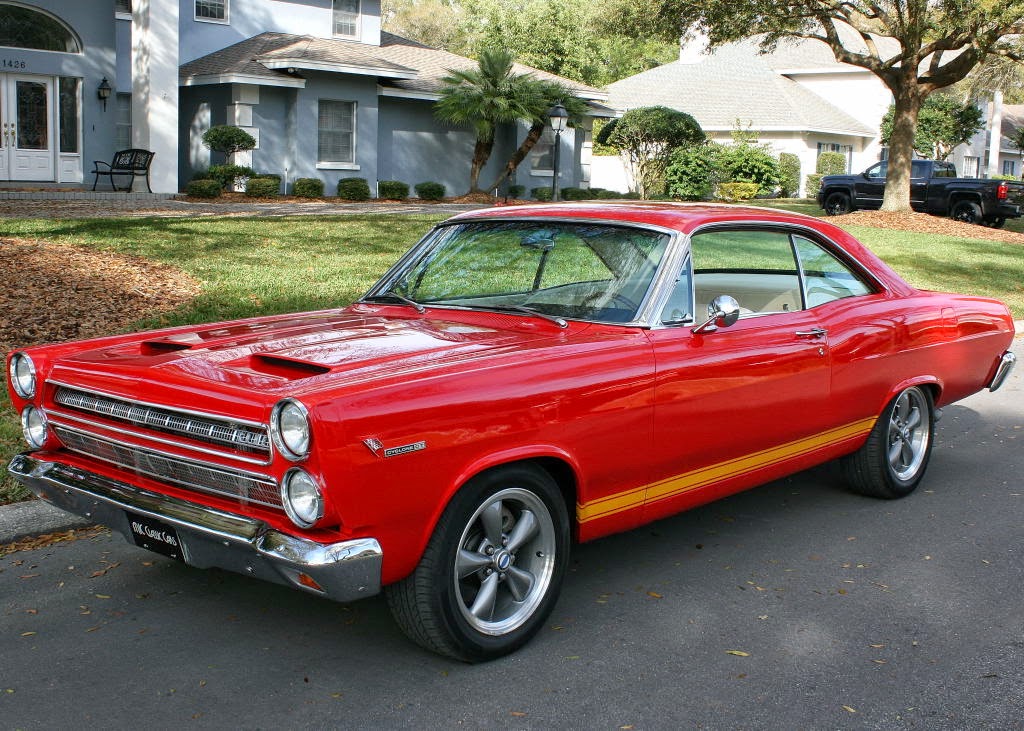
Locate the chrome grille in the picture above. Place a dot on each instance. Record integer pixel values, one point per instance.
(242, 437)
(224, 482)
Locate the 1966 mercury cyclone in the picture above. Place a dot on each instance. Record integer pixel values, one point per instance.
(523, 378)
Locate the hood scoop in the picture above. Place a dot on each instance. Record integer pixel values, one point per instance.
(159, 347)
(282, 367)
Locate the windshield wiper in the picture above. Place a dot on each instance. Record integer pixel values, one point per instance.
(392, 295)
(526, 311)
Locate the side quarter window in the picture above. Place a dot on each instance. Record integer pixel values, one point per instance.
(826, 278)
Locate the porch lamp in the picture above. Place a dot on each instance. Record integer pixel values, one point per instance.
(103, 92)
(557, 117)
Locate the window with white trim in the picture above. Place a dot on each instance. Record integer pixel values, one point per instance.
(123, 6)
(212, 10)
(971, 165)
(336, 131)
(543, 153)
(346, 18)
(846, 150)
(123, 122)
(1010, 167)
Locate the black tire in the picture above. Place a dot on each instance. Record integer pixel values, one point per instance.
(837, 203)
(966, 212)
(481, 536)
(994, 222)
(893, 461)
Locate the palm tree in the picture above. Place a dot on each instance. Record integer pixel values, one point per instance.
(490, 95)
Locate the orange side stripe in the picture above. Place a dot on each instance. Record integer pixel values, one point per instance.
(687, 481)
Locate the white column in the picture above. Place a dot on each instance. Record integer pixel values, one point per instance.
(155, 89)
(995, 134)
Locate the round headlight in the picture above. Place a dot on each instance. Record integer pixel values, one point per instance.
(289, 426)
(301, 497)
(23, 375)
(34, 426)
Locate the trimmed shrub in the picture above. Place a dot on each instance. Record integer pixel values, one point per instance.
(1003, 177)
(574, 194)
(749, 164)
(268, 176)
(202, 175)
(690, 173)
(541, 194)
(430, 191)
(736, 191)
(392, 190)
(354, 189)
(812, 184)
(228, 174)
(308, 188)
(516, 191)
(262, 187)
(228, 139)
(204, 188)
(831, 163)
(789, 174)
(607, 195)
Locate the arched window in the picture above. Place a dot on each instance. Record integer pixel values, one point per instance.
(25, 27)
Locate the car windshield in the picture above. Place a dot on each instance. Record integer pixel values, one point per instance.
(581, 271)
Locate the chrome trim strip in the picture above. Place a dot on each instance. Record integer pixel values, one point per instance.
(1006, 363)
(345, 571)
(61, 415)
(190, 412)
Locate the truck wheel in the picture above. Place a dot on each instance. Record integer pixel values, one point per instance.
(493, 569)
(837, 204)
(966, 212)
(994, 222)
(893, 460)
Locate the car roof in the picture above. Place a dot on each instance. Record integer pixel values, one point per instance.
(682, 217)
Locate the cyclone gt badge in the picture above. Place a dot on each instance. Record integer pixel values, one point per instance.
(377, 447)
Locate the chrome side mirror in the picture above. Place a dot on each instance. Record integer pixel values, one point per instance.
(722, 312)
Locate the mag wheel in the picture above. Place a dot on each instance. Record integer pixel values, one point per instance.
(966, 212)
(837, 204)
(893, 460)
(493, 568)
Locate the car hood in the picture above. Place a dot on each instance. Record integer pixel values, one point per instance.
(275, 354)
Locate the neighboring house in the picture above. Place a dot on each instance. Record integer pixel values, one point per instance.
(324, 91)
(797, 99)
(972, 160)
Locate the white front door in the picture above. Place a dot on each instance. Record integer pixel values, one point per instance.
(27, 128)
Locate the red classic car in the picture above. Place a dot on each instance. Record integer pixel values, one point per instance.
(522, 378)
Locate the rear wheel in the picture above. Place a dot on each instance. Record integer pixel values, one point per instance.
(838, 204)
(966, 212)
(493, 569)
(994, 222)
(893, 460)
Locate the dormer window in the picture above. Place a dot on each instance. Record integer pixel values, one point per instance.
(215, 11)
(346, 18)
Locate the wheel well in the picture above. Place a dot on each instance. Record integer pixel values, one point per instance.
(559, 470)
(961, 197)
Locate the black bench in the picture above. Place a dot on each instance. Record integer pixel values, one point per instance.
(126, 162)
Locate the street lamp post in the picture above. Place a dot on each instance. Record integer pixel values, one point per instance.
(558, 117)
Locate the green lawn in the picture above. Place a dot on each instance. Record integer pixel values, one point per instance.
(251, 266)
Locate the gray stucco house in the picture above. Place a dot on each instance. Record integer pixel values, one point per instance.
(322, 88)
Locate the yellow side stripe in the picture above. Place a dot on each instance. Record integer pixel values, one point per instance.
(695, 479)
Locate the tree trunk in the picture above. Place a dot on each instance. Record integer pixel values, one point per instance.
(907, 104)
(520, 154)
(481, 154)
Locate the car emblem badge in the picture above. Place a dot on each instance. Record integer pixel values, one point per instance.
(377, 447)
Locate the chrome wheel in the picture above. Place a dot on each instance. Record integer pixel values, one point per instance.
(909, 434)
(505, 561)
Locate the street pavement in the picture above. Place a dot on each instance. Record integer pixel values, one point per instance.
(797, 605)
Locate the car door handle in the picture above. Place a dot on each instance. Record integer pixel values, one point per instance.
(813, 333)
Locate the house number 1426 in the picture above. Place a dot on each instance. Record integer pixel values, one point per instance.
(13, 64)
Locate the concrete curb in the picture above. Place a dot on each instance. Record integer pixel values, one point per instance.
(35, 517)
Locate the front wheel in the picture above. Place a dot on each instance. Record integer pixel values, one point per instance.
(837, 204)
(966, 212)
(892, 462)
(493, 569)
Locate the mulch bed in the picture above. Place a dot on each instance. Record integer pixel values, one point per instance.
(67, 292)
(924, 223)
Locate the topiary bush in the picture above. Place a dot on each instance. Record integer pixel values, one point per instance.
(392, 190)
(308, 188)
(541, 194)
(789, 174)
(204, 188)
(258, 187)
(812, 184)
(831, 163)
(746, 163)
(516, 191)
(430, 191)
(575, 194)
(228, 139)
(354, 189)
(736, 191)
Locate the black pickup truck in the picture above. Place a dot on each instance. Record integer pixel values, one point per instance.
(934, 188)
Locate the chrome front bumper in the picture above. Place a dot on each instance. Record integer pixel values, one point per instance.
(210, 538)
(1003, 368)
